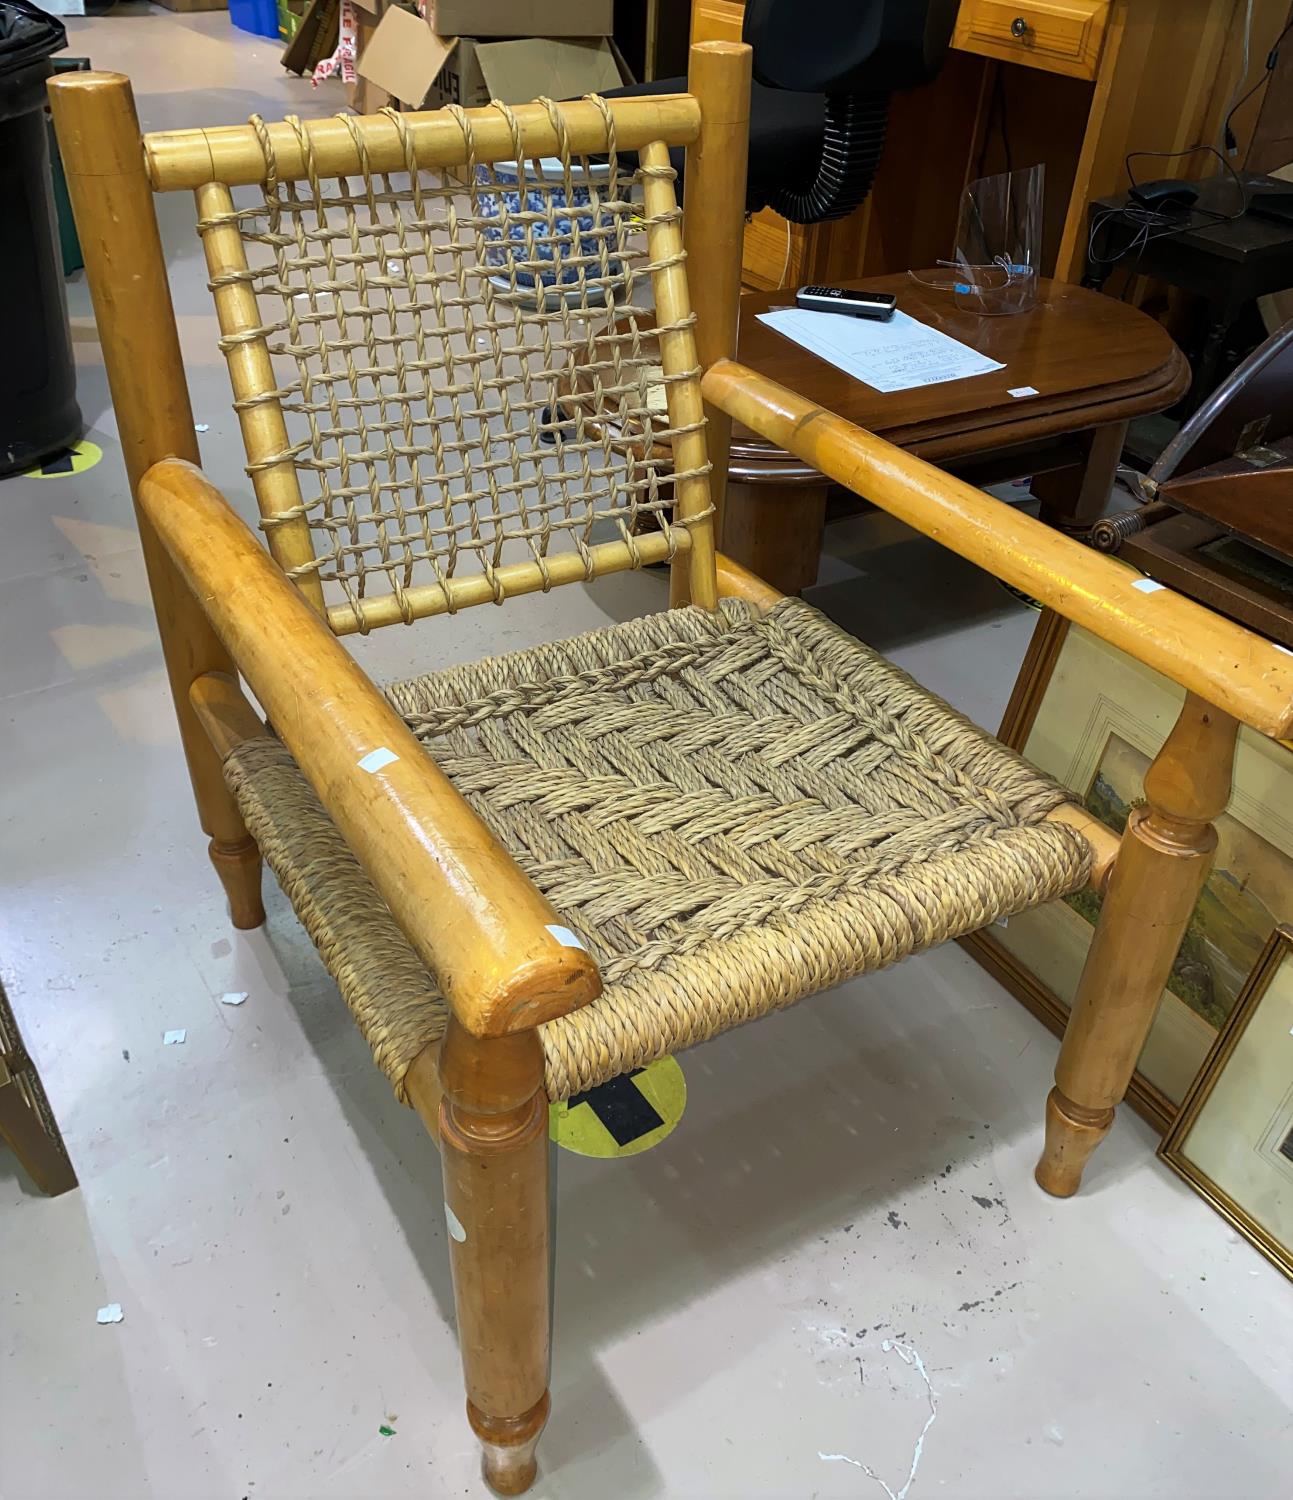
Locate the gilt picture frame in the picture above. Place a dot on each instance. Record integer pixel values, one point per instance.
(1233, 1138)
(1094, 719)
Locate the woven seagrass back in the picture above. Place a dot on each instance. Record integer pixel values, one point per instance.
(459, 376)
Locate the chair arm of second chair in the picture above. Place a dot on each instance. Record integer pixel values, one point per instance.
(504, 961)
(1221, 662)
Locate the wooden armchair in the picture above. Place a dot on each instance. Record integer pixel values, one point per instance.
(532, 874)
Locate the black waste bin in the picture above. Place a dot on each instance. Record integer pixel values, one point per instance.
(38, 410)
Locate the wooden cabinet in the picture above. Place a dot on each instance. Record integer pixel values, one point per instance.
(1062, 36)
(1077, 84)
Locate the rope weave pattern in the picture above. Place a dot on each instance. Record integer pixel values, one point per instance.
(733, 812)
(467, 365)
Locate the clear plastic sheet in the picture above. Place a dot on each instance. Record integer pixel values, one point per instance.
(998, 245)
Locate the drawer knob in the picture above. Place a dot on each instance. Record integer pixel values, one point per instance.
(1019, 27)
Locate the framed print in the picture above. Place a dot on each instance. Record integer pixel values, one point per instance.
(1233, 1139)
(1094, 719)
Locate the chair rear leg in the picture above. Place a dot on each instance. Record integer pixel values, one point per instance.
(103, 158)
(494, 1147)
(1163, 861)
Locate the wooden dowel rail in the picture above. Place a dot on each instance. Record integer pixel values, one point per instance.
(232, 154)
(718, 74)
(1103, 840)
(1223, 663)
(251, 373)
(224, 712)
(494, 943)
(691, 579)
(427, 599)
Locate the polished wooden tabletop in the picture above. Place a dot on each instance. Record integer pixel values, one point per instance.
(1092, 360)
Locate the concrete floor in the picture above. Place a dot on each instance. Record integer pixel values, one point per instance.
(843, 1230)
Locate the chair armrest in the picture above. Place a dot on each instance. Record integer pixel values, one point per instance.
(1222, 662)
(493, 942)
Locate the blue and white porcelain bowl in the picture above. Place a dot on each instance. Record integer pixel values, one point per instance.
(544, 187)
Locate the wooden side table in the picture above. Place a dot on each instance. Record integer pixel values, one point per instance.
(1228, 262)
(1093, 363)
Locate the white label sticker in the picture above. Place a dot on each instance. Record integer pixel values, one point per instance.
(233, 997)
(1022, 390)
(456, 1230)
(566, 938)
(174, 1038)
(376, 759)
(110, 1314)
(1148, 586)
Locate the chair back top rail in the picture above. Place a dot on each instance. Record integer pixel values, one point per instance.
(233, 155)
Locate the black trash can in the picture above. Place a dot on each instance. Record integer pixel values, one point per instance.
(38, 411)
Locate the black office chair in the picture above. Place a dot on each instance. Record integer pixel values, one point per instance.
(823, 73)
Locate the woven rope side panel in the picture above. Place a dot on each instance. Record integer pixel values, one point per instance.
(381, 978)
(469, 370)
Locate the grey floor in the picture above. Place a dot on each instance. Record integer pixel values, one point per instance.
(841, 1239)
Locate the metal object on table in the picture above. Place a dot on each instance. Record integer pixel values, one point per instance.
(1219, 525)
(1252, 407)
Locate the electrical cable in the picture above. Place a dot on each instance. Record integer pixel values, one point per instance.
(1228, 138)
(1244, 64)
(1152, 224)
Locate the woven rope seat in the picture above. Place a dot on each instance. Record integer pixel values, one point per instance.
(732, 811)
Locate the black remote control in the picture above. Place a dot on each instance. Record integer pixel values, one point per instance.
(846, 301)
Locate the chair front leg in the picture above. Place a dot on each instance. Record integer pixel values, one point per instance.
(1163, 861)
(494, 1146)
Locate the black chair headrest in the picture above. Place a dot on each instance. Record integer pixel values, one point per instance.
(848, 46)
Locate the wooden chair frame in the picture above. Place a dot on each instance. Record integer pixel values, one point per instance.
(226, 609)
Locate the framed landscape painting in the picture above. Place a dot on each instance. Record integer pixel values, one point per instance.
(1094, 719)
(1233, 1139)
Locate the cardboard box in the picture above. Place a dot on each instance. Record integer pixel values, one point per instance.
(424, 70)
(315, 38)
(364, 96)
(516, 72)
(521, 17)
(403, 57)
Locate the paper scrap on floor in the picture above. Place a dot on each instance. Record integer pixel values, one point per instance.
(895, 356)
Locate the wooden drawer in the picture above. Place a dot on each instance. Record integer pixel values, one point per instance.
(1062, 36)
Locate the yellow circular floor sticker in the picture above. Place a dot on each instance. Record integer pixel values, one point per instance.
(74, 460)
(629, 1114)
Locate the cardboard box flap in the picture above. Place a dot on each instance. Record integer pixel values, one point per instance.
(404, 55)
(522, 17)
(519, 71)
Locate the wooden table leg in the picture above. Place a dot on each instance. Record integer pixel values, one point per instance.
(1073, 499)
(775, 530)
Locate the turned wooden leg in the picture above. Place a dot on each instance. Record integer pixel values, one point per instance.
(238, 866)
(1163, 860)
(494, 1146)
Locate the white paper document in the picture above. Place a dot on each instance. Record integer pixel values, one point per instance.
(895, 356)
